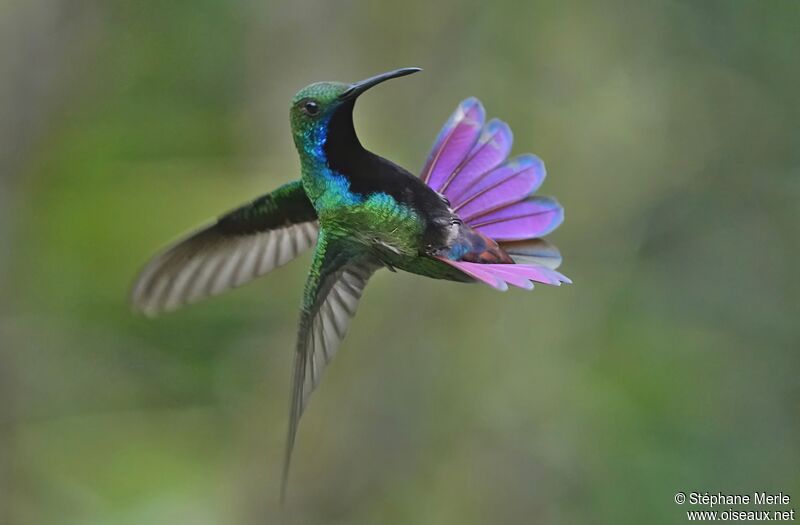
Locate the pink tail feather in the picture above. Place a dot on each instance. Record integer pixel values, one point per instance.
(499, 276)
(494, 196)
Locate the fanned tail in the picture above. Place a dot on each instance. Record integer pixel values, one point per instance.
(494, 197)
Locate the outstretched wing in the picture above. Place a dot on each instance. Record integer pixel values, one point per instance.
(240, 246)
(337, 279)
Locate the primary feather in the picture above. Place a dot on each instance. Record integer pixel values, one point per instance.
(339, 274)
(243, 244)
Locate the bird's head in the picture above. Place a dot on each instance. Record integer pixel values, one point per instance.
(317, 105)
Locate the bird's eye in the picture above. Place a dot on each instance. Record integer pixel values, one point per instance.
(310, 107)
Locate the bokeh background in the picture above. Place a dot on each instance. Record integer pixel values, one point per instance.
(670, 131)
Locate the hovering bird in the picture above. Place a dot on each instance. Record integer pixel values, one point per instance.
(470, 216)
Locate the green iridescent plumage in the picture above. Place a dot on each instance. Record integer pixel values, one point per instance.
(359, 231)
(363, 213)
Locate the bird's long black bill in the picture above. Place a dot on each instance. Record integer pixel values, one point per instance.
(359, 87)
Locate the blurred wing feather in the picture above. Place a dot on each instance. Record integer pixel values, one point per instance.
(240, 246)
(337, 280)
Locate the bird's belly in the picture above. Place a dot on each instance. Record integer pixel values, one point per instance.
(378, 222)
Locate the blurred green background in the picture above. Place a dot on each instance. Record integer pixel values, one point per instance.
(670, 132)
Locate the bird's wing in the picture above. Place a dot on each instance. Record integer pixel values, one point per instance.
(339, 273)
(240, 246)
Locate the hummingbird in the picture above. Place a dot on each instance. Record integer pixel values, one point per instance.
(470, 216)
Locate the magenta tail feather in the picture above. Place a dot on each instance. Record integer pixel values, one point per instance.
(500, 187)
(491, 149)
(525, 219)
(454, 142)
(494, 195)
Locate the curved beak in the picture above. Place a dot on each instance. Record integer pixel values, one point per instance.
(359, 87)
